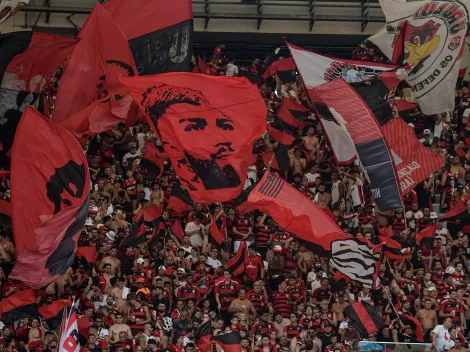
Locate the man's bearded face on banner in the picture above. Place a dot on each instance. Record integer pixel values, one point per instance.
(195, 134)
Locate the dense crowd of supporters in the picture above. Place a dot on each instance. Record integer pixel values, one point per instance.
(154, 296)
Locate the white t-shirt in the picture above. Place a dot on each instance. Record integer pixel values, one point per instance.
(231, 70)
(443, 337)
(130, 155)
(196, 238)
(357, 194)
(213, 262)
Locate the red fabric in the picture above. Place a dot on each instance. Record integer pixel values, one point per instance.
(201, 121)
(403, 105)
(5, 207)
(177, 229)
(415, 162)
(32, 69)
(4, 173)
(179, 199)
(139, 17)
(392, 249)
(458, 208)
(89, 253)
(52, 310)
(365, 318)
(417, 328)
(279, 136)
(150, 213)
(428, 232)
(236, 264)
(205, 344)
(288, 107)
(103, 52)
(386, 232)
(215, 232)
(201, 67)
(153, 156)
(17, 300)
(279, 65)
(51, 193)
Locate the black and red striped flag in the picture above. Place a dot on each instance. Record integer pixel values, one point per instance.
(425, 237)
(151, 164)
(180, 200)
(414, 325)
(18, 306)
(137, 234)
(392, 249)
(216, 237)
(364, 318)
(236, 264)
(229, 342)
(356, 258)
(284, 68)
(365, 107)
(54, 313)
(413, 161)
(292, 112)
(151, 215)
(87, 256)
(277, 158)
(241, 203)
(177, 229)
(161, 41)
(203, 335)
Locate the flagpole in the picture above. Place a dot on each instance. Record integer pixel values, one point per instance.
(390, 299)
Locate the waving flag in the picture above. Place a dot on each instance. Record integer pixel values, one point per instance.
(236, 264)
(50, 185)
(229, 342)
(364, 318)
(363, 108)
(354, 257)
(284, 68)
(18, 306)
(160, 33)
(137, 235)
(413, 161)
(180, 200)
(392, 249)
(203, 335)
(28, 60)
(430, 36)
(54, 313)
(152, 161)
(70, 338)
(317, 69)
(201, 121)
(291, 113)
(92, 72)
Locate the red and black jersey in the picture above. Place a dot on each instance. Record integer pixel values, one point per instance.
(305, 322)
(204, 285)
(278, 236)
(262, 235)
(292, 330)
(242, 224)
(135, 315)
(448, 306)
(409, 199)
(295, 292)
(451, 182)
(259, 300)
(398, 223)
(130, 185)
(188, 292)
(281, 303)
(229, 224)
(262, 327)
(227, 293)
(139, 273)
(320, 294)
(289, 259)
(253, 266)
(423, 223)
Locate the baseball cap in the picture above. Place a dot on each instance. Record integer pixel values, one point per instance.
(140, 261)
(411, 125)
(101, 227)
(181, 270)
(140, 279)
(433, 215)
(161, 267)
(427, 131)
(432, 288)
(277, 248)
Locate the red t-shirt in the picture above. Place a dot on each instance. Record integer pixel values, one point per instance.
(253, 267)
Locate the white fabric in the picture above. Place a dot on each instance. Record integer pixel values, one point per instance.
(433, 84)
(443, 337)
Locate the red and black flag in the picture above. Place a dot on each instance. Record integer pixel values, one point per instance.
(50, 197)
(241, 203)
(425, 237)
(177, 229)
(161, 41)
(180, 200)
(28, 60)
(151, 215)
(413, 161)
(404, 108)
(392, 249)
(203, 335)
(87, 256)
(284, 68)
(201, 122)
(137, 235)
(5, 214)
(54, 313)
(277, 158)
(292, 112)
(201, 67)
(236, 264)
(414, 325)
(152, 162)
(90, 93)
(356, 258)
(229, 342)
(18, 306)
(365, 106)
(216, 237)
(364, 318)
(281, 132)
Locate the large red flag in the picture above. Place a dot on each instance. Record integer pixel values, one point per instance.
(202, 124)
(50, 185)
(160, 33)
(392, 249)
(151, 163)
(284, 68)
(428, 232)
(354, 257)
(413, 161)
(92, 72)
(28, 60)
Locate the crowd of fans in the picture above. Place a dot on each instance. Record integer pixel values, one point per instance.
(154, 296)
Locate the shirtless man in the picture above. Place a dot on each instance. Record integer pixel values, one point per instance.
(427, 316)
(311, 141)
(298, 163)
(113, 261)
(119, 327)
(121, 304)
(243, 305)
(57, 286)
(322, 198)
(35, 334)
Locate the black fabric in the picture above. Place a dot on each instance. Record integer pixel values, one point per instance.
(12, 44)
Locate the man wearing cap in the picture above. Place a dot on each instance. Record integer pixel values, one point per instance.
(138, 271)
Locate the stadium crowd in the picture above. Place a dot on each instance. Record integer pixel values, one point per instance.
(153, 297)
